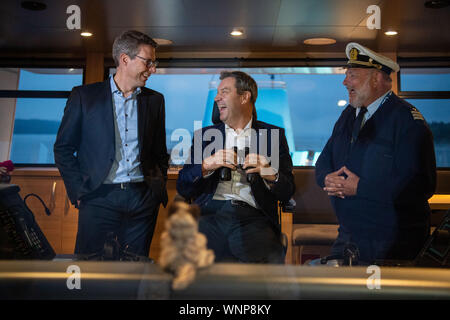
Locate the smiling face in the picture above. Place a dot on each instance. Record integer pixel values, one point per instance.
(229, 102)
(136, 69)
(358, 84)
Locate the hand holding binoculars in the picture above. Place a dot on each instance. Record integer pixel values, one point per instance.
(225, 173)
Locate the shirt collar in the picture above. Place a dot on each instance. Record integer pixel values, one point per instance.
(248, 126)
(114, 88)
(373, 107)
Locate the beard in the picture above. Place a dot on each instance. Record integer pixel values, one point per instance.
(360, 95)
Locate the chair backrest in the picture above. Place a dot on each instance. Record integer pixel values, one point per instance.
(215, 114)
(313, 205)
(443, 182)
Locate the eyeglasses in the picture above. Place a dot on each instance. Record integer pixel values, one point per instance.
(148, 62)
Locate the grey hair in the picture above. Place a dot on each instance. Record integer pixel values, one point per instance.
(129, 42)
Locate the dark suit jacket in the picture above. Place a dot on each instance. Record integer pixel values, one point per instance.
(395, 161)
(191, 184)
(85, 145)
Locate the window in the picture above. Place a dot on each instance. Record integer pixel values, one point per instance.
(305, 101)
(36, 98)
(425, 79)
(437, 114)
(428, 89)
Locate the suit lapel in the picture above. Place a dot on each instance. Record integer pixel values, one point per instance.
(144, 116)
(206, 143)
(263, 138)
(106, 102)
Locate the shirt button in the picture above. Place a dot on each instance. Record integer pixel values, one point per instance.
(126, 144)
(126, 115)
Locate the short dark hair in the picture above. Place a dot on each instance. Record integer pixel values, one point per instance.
(243, 83)
(129, 42)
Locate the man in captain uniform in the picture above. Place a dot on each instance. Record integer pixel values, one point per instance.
(378, 167)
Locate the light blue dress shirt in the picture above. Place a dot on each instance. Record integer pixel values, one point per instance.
(373, 107)
(126, 165)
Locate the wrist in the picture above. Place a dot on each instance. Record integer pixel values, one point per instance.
(275, 178)
(206, 172)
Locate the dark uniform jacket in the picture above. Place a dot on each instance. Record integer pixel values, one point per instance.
(395, 161)
(191, 184)
(85, 145)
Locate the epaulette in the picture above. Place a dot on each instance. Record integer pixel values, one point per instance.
(416, 114)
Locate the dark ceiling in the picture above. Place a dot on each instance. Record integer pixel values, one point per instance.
(200, 28)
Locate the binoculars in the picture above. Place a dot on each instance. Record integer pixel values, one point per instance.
(225, 173)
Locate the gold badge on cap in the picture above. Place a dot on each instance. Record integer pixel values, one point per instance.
(353, 54)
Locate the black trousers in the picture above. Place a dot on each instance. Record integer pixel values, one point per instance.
(372, 247)
(240, 233)
(127, 210)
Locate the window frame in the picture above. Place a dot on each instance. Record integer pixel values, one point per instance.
(231, 63)
(40, 64)
(423, 62)
(417, 63)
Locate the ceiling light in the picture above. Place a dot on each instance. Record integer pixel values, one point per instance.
(319, 41)
(236, 33)
(342, 103)
(391, 33)
(86, 34)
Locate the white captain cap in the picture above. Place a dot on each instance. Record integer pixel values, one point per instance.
(362, 57)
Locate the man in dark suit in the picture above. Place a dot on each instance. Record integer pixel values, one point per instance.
(111, 151)
(379, 165)
(239, 212)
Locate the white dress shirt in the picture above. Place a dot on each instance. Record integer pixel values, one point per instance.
(237, 188)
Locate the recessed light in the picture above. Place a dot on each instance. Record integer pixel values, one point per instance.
(319, 41)
(236, 32)
(391, 33)
(163, 42)
(86, 34)
(342, 103)
(33, 5)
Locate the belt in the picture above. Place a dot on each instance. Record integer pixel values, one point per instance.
(239, 203)
(125, 185)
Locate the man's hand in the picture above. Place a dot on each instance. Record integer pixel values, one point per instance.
(3, 171)
(339, 186)
(222, 158)
(334, 183)
(259, 164)
(351, 183)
